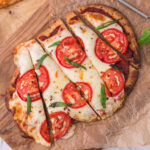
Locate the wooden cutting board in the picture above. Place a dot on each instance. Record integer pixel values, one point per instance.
(24, 24)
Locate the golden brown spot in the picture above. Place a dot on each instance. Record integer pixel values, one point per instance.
(81, 75)
(28, 45)
(15, 51)
(58, 33)
(32, 129)
(56, 74)
(88, 83)
(83, 30)
(33, 41)
(65, 77)
(97, 16)
(15, 96)
(91, 77)
(30, 116)
(18, 110)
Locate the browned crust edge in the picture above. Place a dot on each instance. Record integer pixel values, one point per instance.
(114, 13)
(133, 73)
(50, 29)
(131, 81)
(9, 94)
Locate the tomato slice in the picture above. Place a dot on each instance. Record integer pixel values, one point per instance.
(43, 78)
(70, 48)
(114, 81)
(72, 95)
(27, 83)
(60, 125)
(117, 39)
(44, 131)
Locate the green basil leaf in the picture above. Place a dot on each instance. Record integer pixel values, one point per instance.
(103, 96)
(115, 67)
(28, 104)
(106, 24)
(54, 44)
(73, 63)
(145, 38)
(40, 61)
(60, 104)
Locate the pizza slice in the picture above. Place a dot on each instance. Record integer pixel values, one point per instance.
(53, 82)
(108, 21)
(23, 97)
(5, 3)
(72, 59)
(113, 79)
(111, 23)
(60, 89)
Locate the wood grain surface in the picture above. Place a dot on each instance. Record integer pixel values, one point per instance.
(23, 24)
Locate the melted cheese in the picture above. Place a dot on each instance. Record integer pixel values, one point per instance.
(89, 39)
(98, 22)
(78, 75)
(57, 83)
(29, 124)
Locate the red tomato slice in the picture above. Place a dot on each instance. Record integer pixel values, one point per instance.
(27, 83)
(71, 49)
(114, 82)
(60, 125)
(43, 78)
(117, 39)
(73, 96)
(44, 131)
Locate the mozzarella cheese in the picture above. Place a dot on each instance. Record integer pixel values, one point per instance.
(97, 19)
(89, 76)
(57, 83)
(89, 39)
(29, 124)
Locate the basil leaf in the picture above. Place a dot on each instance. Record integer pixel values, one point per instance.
(54, 44)
(145, 38)
(73, 63)
(60, 104)
(106, 24)
(28, 104)
(103, 96)
(40, 61)
(115, 67)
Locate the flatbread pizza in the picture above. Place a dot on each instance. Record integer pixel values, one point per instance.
(69, 74)
(24, 83)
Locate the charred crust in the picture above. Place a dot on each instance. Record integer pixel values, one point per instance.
(132, 78)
